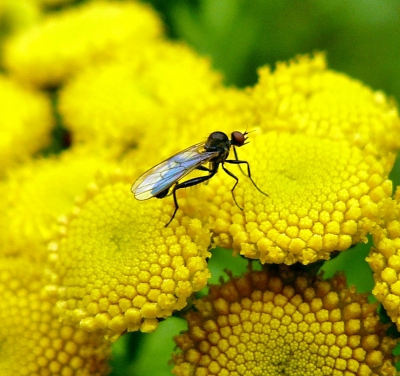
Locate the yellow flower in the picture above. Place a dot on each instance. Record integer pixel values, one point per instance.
(384, 260)
(121, 100)
(37, 193)
(117, 268)
(25, 122)
(274, 323)
(304, 96)
(33, 340)
(66, 42)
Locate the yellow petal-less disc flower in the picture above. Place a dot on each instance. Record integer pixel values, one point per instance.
(33, 340)
(384, 260)
(323, 196)
(275, 323)
(26, 121)
(122, 100)
(117, 268)
(65, 42)
(38, 192)
(304, 96)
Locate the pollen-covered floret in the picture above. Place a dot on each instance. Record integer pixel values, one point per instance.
(123, 99)
(26, 121)
(117, 268)
(275, 323)
(323, 195)
(304, 96)
(384, 260)
(33, 340)
(66, 42)
(34, 195)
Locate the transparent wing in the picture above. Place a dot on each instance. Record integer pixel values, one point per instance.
(165, 174)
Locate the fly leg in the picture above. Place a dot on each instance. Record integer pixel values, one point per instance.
(236, 183)
(190, 183)
(238, 162)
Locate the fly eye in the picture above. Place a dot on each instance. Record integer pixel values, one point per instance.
(238, 138)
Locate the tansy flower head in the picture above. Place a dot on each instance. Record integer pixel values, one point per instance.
(38, 192)
(122, 100)
(33, 340)
(117, 268)
(323, 195)
(49, 52)
(25, 122)
(304, 96)
(274, 323)
(384, 260)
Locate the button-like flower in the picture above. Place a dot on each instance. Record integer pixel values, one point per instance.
(24, 129)
(275, 323)
(122, 100)
(304, 96)
(66, 42)
(117, 268)
(33, 340)
(384, 260)
(323, 195)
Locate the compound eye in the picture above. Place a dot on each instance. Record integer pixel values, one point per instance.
(238, 138)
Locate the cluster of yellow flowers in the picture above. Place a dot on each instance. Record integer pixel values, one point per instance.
(82, 262)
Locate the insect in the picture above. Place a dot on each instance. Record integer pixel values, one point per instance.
(157, 181)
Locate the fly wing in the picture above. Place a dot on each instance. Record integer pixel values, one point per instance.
(165, 174)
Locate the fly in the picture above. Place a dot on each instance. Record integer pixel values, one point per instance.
(157, 181)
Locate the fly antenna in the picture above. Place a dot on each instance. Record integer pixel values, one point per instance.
(245, 134)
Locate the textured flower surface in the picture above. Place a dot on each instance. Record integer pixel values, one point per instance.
(117, 268)
(325, 191)
(304, 96)
(66, 42)
(33, 340)
(323, 195)
(275, 323)
(384, 260)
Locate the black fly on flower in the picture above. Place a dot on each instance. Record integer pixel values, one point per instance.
(157, 181)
